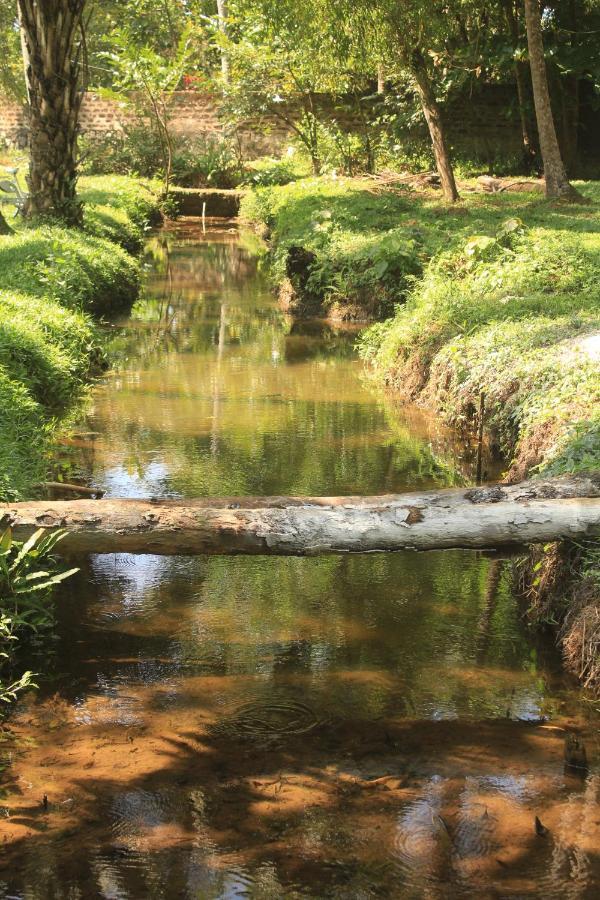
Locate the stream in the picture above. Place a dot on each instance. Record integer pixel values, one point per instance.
(357, 726)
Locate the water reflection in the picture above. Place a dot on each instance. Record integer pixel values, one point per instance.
(346, 727)
(216, 392)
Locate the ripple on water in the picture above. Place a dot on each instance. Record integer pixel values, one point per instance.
(270, 719)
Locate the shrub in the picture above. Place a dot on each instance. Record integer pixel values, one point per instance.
(29, 573)
(267, 172)
(209, 160)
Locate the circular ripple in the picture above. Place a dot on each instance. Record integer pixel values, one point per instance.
(271, 719)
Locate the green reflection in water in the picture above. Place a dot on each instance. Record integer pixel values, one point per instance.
(215, 392)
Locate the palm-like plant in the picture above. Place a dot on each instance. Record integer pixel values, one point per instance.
(28, 575)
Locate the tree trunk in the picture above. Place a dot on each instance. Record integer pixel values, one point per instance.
(54, 45)
(4, 226)
(557, 183)
(534, 511)
(523, 88)
(222, 17)
(435, 124)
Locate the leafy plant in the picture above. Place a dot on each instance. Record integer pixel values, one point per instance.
(146, 79)
(29, 574)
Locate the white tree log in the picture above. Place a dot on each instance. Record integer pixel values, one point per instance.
(534, 511)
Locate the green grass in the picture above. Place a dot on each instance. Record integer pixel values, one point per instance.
(510, 309)
(498, 294)
(119, 208)
(53, 283)
(368, 245)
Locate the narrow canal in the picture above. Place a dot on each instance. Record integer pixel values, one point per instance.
(347, 727)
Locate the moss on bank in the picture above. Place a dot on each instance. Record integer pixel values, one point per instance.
(498, 295)
(52, 281)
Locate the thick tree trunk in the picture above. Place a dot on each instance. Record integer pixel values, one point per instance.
(53, 48)
(4, 226)
(535, 511)
(557, 183)
(435, 124)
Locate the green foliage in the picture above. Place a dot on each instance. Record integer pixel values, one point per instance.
(51, 279)
(137, 198)
(368, 246)
(78, 270)
(270, 172)
(510, 310)
(29, 573)
(211, 161)
(196, 161)
(47, 348)
(23, 438)
(145, 78)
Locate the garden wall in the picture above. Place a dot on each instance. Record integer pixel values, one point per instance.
(480, 125)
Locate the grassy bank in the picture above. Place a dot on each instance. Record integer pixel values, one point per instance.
(53, 284)
(343, 248)
(497, 296)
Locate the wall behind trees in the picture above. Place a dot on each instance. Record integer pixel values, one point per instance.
(482, 125)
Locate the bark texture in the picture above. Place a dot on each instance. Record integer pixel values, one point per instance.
(53, 43)
(523, 84)
(557, 183)
(534, 511)
(433, 117)
(4, 226)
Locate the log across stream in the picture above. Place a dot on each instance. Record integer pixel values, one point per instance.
(488, 517)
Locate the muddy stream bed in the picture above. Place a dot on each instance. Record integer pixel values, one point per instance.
(378, 725)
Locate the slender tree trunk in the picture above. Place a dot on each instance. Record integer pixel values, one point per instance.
(222, 17)
(380, 79)
(435, 124)
(557, 183)
(52, 32)
(522, 80)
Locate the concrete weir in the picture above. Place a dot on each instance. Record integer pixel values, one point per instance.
(211, 202)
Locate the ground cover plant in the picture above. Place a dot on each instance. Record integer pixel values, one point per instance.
(361, 246)
(496, 295)
(29, 574)
(510, 309)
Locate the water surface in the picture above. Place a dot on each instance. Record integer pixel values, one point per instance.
(378, 725)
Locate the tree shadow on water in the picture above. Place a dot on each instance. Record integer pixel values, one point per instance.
(265, 803)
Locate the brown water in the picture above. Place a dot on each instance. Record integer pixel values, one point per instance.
(348, 727)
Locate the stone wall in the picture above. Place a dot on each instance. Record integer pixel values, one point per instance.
(482, 125)
(192, 113)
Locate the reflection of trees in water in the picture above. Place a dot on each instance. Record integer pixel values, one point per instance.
(412, 618)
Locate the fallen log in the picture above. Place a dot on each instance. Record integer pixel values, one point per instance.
(487, 517)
